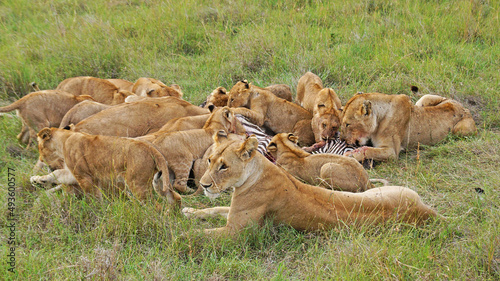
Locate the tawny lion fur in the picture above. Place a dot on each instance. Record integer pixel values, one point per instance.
(263, 190)
(42, 109)
(328, 170)
(391, 123)
(105, 163)
(182, 148)
(101, 90)
(324, 104)
(81, 111)
(138, 118)
(153, 88)
(265, 109)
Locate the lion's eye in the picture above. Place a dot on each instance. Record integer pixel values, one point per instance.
(347, 125)
(222, 167)
(324, 126)
(208, 160)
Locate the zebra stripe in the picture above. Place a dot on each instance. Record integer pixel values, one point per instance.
(335, 146)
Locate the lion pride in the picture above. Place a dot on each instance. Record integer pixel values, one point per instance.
(262, 191)
(392, 123)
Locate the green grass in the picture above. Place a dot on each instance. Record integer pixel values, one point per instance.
(450, 48)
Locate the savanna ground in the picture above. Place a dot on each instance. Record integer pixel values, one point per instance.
(449, 48)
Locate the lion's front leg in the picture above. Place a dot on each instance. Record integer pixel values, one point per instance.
(206, 213)
(61, 176)
(375, 153)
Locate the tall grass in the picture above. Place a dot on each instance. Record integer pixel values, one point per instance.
(443, 47)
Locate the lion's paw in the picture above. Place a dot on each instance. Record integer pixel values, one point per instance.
(188, 212)
(38, 180)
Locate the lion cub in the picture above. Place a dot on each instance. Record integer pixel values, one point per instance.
(391, 123)
(265, 109)
(328, 170)
(324, 104)
(101, 90)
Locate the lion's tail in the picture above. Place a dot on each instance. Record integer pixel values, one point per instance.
(13, 106)
(34, 85)
(174, 199)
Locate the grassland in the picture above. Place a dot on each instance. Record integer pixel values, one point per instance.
(449, 48)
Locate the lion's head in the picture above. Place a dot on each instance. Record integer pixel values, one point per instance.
(358, 121)
(284, 142)
(239, 95)
(224, 118)
(50, 152)
(326, 119)
(228, 165)
(217, 98)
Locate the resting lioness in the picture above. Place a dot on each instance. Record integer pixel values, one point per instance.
(263, 190)
(391, 123)
(328, 170)
(149, 87)
(324, 104)
(265, 109)
(219, 96)
(182, 148)
(138, 118)
(105, 163)
(101, 90)
(42, 109)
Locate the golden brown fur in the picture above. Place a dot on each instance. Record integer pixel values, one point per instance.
(122, 84)
(391, 123)
(282, 91)
(328, 170)
(105, 163)
(81, 111)
(101, 90)
(219, 96)
(42, 109)
(323, 103)
(263, 190)
(138, 118)
(182, 148)
(265, 109)
(149, 87)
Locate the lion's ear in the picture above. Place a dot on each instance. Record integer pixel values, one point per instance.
(293, 138)
(248, 149)
(211, 108)
(45, 134)
(272, 147)
(222, 90)
(247, 85)
(226, 112)
(148, 93)
(220, 137)
(366, 108)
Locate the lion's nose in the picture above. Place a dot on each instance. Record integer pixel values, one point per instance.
(205, 186)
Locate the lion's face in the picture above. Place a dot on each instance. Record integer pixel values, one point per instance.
(217, 98)
(326, 118)
(282, 142)
(358, 122)
(228, 164)
(239, 95)
(48, 150)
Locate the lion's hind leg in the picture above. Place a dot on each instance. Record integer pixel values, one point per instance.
(465, 127)
(344, 177)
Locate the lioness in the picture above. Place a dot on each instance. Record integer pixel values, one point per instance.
(149, 87)
(323, 103)
(328, 170)
(391, 123)
(219, 96)
(101, 90)
(81, 111)
(263, 190)
(42, 109)
(182, 148)
(122, 84)
(265, 109)
(105, 163)
(138, 118)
